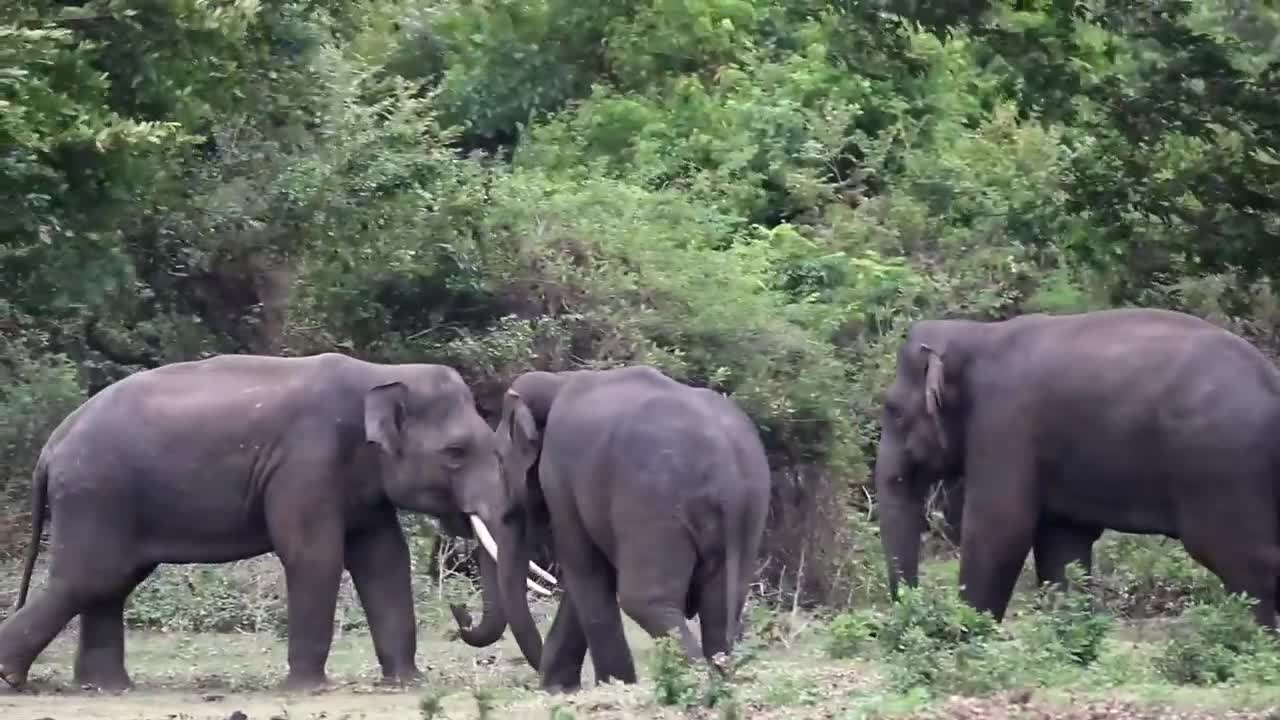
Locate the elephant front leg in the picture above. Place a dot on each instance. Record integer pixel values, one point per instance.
(378, 560)
(1000, 516)
(307, 536)
(100, 655)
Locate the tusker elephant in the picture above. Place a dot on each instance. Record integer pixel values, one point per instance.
(1136, 420)
(656, 495)
(238, 455)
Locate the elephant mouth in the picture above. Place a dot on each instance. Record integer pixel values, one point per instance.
(491, 546)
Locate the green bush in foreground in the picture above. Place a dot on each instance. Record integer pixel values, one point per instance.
(1218, 643)
(933, 640)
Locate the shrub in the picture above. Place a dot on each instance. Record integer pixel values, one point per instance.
(1214, 641)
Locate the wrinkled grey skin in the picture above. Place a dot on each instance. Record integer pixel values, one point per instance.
(234, 456)
(1140, 421)
(656, 494)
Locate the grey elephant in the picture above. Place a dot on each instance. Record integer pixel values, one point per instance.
(656, 496)
(1136, 420)
(234, 456)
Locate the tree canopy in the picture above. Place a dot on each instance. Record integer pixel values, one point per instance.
(753, 195)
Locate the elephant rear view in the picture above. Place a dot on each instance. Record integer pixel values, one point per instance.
(656, 494)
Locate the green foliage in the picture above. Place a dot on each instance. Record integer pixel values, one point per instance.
(674, 682)
(1066, 621)
(1214, 640)
(1142, 576)
(756, 196)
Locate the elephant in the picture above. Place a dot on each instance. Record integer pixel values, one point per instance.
(234, 456)
(1131, 419)
(655, 494)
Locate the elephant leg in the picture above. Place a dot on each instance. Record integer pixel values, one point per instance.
(100, 655)
(589, 578)
(1058, 545)
(713, 614)
(564, 651)
(1000, 517)
(89, 563)
(378, 560)
(1238, 544)
(653, 587)
(308, 538)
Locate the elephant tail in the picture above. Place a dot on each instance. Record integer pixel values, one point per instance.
(732, 569)
(39, 498)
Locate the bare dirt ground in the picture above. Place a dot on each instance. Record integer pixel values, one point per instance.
(233, 677)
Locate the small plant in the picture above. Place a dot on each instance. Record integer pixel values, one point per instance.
(1066, 623)
(484, 701)
(559, 712)
(673, 679)
(790, 690)
(1215, 640)
(431, 704)
(849, 633)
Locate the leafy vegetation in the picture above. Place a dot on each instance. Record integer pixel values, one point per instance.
(753, 195)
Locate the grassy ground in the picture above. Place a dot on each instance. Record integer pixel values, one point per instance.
(214, 676)
(186, 670)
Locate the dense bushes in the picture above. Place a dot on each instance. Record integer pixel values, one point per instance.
(754, 195)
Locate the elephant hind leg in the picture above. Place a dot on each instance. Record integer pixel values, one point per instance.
(564, 651)
(653, 588)
(100, 655)
(1240, 547)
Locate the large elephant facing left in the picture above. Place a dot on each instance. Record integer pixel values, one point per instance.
(234, 456)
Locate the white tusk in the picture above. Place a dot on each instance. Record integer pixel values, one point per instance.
(486, 539)
(491, 546)
(543, 573)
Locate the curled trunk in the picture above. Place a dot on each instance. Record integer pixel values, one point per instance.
(494, 621)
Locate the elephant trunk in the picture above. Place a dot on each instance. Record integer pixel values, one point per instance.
(901, 512)
(513, 560)
(494, 621)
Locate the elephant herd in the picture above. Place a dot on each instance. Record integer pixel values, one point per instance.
(653, 494)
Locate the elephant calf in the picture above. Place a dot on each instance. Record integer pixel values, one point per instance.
(238, 455)
(656, 495)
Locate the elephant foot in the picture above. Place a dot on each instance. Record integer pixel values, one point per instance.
(299, 682)
(403, 678)
(559, 688)
(110, 683)
(15, 679)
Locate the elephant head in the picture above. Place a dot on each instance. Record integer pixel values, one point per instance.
(438, 456)
(519, 443)
(921, 438)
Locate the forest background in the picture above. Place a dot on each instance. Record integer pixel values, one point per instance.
(756, 196)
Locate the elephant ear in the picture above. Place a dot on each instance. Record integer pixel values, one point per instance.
(934, 389)
(384, 414)
(518, 424)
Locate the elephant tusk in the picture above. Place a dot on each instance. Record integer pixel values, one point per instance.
(491, 546)
(543, 573)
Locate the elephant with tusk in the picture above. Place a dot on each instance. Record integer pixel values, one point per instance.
(655, 496)
(238, 455)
